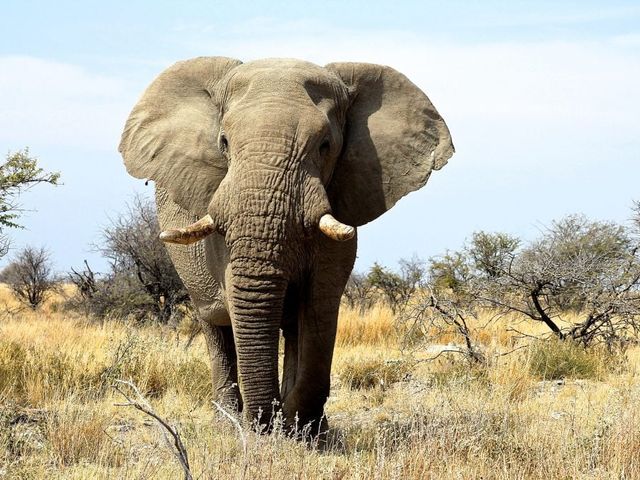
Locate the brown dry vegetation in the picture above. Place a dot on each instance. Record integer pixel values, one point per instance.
(394, 414)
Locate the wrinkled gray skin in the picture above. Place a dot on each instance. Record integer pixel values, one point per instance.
(267, 148)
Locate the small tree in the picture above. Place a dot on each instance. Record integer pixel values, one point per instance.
(359, 293)
(29, 276)
(84, 281)
(88, 286)
(450, 271)
(581, 278)
(139, 260)
(491, 253)
(397, 288)
(434, 313)
(18, 172)
(486, 255)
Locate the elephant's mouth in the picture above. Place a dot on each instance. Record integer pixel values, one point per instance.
(204, 227)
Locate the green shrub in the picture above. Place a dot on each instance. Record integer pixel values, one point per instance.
(555, 359)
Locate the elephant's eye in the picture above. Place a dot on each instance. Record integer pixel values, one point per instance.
(223, 143)
(325, 147)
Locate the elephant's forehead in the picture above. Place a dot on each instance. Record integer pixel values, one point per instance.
(279, 74)
(275, 65)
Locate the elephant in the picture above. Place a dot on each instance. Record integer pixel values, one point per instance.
(263, 171)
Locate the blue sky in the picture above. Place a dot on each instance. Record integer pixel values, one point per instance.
(542, 100)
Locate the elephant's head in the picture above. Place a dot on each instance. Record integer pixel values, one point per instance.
(270, 154)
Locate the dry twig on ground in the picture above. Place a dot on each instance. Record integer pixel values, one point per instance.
(139, 403)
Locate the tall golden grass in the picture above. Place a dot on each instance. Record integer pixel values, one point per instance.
(394, 413)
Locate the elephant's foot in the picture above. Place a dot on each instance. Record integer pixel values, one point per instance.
(264, 420)
(311, 427)
(228, 397)
(313, 432)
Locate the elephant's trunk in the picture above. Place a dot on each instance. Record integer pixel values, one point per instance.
(264, 232)
(256, 303)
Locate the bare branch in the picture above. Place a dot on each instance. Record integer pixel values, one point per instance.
(236, 424)
(139, 403)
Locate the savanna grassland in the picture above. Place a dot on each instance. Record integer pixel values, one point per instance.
(545, 410)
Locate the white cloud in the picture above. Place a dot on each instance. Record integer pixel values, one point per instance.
(51, 103)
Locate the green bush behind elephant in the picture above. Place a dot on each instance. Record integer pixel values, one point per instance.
(275, 162)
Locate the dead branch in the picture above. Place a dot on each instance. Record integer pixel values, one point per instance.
(178, 448)
(236, 424)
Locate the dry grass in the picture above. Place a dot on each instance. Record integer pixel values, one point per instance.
(377, 328)
(394, 415)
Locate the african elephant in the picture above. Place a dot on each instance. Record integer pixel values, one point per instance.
(262, 171)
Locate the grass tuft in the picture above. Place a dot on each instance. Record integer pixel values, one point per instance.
(555, 359)
(76, 433)
(374, 372)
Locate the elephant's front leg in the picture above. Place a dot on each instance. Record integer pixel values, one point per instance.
(304, 402)
(317, 327)
(224, 369)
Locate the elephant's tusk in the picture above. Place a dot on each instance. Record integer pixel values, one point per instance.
(191, 234)
(334, 229)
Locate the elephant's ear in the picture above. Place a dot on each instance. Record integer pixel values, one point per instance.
(171, 134)
(394, 138)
